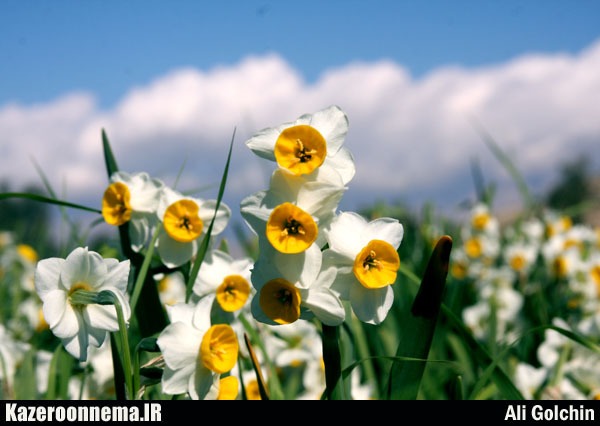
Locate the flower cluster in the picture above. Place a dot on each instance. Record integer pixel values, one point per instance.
(544, 267)
(313, 258)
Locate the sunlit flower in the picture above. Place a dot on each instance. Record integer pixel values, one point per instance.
(225, 280)
(293, 286)
(195, 352)
(312, 144)
(80, 326)
(293, 212)
(185, 220)
(366, 259)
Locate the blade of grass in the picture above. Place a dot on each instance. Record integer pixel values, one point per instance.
(109, 158)
(206, 241)
(508, 165)
(41, 198)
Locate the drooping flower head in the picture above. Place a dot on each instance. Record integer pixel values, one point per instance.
(80, 326)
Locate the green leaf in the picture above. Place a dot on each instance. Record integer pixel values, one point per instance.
(109, 158)
(405, 378)
(334, 389)
(41, 198)
(206, 241)
(502, 381)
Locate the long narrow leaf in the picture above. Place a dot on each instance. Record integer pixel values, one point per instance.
(41, 198)
(405, 378)
(109, 158)
(508, 165)
(502, 381)
(206, 241)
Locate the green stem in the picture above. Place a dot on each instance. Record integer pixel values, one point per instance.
(107, 297)
(139, 282)
(333, 363)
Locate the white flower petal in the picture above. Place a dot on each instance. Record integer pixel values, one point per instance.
(47, 275)
(207, 211)
(344, 234)
(386, 229)
(343, 164)
(181, 312)
(326, 306)
(262, 143)
(301, 268)
(60, 315)
(175, 382)
(255, 212)
(83, 266)
(103, 317)
(117, 276)
(333, 125)
(77, 346)
(371, 305)
(202, 381)
(179, 344)
(173, 253)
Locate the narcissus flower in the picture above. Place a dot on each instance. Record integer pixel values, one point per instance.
(132, 198)
(312, 144)
(185, 221)
(366, 258)
(196, 353)
(80, 326)
(225, 280)
(293, 286)
(291, 213)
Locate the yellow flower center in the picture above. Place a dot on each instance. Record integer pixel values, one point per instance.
(561, 266)
(300, 149)
(473, 247)
(219, 348)
(76, 287)
(290, 229)
(116, 207)
(377, 264)
(280, 300)
(517, 262)
(252, 391)
(459, 270)
(42, 324)
(228, 388)
(233, 293)
(480, 220)
(27, 252)
(181, 221)
(595, 272)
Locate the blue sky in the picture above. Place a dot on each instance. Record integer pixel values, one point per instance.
(52, 47)
(169, 81)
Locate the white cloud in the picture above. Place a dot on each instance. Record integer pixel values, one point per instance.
(412, 139)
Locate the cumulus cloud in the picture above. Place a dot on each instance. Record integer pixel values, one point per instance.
(412, 139)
